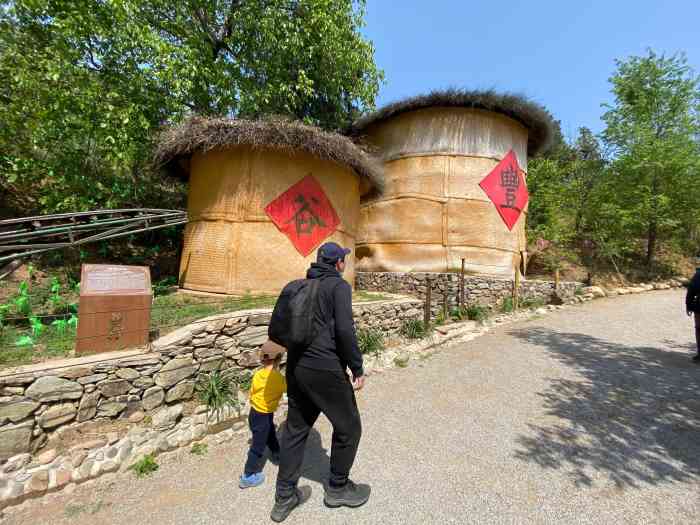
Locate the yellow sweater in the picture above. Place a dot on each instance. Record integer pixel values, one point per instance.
(266, 390)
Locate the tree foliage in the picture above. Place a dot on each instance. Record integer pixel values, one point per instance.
(88, 83)
(635, 187)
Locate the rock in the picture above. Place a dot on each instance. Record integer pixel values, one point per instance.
(253, 336)
(201, 409)
(17, 409)
(62, 477)
(114, 387)
(204, 340)
(57, 415)
(86, 468)
(38, 443)
(661, 286)
(52, 388)
(260, 319)
(77, 457)
(233, 352)
(88, 406)
(46, 457)
(183, 390)
(137, 417)
(16, 380)
(595, 291)
(143, 382)
(39, 481)
(127, 373)
(110, 409)
(248, 359)
(175, 371)
(16, 463)
(75, 373)
(224, 342)
(204, 353)
(91, 444)
(166, 417)
(109, 466)
(112, 438)
(213, 363)
(541, 311)
(153, 398)
(13, 391)
(234, 329)
(216, 326)
(94, 378)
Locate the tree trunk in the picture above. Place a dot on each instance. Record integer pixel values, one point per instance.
(651, 244)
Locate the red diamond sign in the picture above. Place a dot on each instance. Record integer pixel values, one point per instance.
(506, 188)
(304, 214)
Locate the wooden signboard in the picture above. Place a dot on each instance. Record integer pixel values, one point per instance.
(115, 308)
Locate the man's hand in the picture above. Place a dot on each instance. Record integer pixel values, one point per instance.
(358, 383)
(689, 313)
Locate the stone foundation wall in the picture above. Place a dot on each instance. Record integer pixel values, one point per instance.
(38, 400)
(481, 290)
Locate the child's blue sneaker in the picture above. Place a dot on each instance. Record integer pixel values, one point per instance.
(253, 480)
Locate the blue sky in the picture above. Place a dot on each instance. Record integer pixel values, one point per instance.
(559, 53)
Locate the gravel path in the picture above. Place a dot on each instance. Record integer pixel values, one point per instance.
(588, 415)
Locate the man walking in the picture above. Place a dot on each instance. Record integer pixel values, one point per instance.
(692, 304)
(317, 382)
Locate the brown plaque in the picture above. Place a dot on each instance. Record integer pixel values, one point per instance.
(115, 308)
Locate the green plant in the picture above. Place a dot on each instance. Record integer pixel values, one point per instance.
(401, 361)
(199, 449)
(60, 325)
(24, 340)
(507, 305)
(162, 286)
(476, 312)
(578, 290)
(145, 466)
(413, 329)
(244, 379)
(371, 342)
(440, 318)
(36, 326)
(21, 301)
(217, 390)
(532, 302)
(458, 314)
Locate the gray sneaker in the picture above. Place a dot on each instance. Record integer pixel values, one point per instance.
(283, 508)
(349, 495)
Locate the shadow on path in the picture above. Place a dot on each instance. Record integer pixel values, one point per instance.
(633, 417)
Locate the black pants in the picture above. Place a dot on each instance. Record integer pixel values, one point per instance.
(263, 429)
(311, 392)
(697, 331)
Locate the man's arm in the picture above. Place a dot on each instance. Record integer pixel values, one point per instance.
(345, 337)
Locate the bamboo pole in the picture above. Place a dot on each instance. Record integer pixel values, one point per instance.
(516, 288)
(461, 288)
(426, 313)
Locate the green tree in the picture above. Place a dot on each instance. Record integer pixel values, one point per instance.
(87, 83)
(652, 128)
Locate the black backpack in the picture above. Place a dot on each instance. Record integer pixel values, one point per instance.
(293, 319)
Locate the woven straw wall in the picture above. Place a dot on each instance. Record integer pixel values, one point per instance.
(231, 246)
(433, 212)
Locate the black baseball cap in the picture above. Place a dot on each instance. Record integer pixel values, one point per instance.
(331, 253)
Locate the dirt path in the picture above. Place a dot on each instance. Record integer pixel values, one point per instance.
(589, 415)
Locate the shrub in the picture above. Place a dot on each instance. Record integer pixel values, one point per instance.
(217, 390)
(244, 380)
(507, 305)
(532, 302)
(413, 329)
(477, 312)
(145, 466)
(578, 291)
(371, 342)
(199, 449)
(440, 318)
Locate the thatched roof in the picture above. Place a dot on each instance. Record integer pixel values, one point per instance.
(534, 117)
(199, 134)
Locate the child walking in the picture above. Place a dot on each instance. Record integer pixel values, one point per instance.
(266, 389)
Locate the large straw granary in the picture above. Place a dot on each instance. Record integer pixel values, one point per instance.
(262, 196)
(436, 150)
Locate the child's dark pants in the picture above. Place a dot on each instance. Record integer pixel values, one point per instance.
(263, 429)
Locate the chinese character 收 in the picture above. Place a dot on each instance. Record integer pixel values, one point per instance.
(511, 182)
(305, 220)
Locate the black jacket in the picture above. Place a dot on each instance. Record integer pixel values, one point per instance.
(692, 298)
(335, 347)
